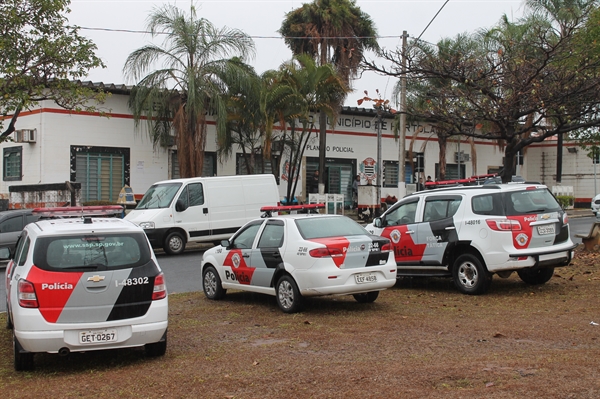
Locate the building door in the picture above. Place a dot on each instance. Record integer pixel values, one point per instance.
(101, 176)
(338, 175)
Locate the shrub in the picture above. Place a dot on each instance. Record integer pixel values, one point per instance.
(565, 201)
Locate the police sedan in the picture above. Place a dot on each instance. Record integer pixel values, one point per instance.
(300, 255)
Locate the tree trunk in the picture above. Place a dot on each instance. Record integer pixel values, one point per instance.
(442, 142)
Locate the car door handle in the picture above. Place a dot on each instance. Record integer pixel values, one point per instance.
(276, 254)
(245, 255)
(450, 228)
(410, 232)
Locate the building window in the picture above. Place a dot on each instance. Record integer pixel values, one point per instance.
(390, 174)
(102, 172)
(261, 165)
(12, 164)
(209, 168)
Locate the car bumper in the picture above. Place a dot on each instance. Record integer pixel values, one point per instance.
(49, 337)
(515, 261)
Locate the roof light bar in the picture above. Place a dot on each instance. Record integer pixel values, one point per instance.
(79, 211)
(268, 210)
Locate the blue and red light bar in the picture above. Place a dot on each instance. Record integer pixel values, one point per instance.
(268, 210)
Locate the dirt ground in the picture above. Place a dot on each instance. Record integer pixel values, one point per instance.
(420, 339)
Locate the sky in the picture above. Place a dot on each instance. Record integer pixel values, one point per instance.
(107, 22)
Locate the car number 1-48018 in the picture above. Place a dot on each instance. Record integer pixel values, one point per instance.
(100, 336)
(365, 278)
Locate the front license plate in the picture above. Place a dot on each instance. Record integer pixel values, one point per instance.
(97, 336)
(365, 278)
(545, 229)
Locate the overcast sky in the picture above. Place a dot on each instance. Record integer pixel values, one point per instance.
(262, 18)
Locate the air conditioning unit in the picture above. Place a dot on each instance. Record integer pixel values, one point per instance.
(25, 135)
(462, 157)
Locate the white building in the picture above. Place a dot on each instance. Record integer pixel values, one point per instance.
(103, 152)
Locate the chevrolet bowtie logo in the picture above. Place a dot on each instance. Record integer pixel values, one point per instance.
(96, 278)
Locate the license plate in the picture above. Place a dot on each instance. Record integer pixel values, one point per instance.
(545, 229)
(97, 336)
(365, 278)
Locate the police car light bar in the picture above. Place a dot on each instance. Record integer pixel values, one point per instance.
(81, 211)
(268, 210)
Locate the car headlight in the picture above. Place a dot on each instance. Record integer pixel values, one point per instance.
(147, 225)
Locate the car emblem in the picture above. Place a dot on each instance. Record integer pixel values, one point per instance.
(545, 216)
(236, 260)
(395, 236)
(522, 239)
(96, 278)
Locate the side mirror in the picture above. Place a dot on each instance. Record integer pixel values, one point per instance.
(180, 206)
(225, 243)
(377, 222)
(5, 254)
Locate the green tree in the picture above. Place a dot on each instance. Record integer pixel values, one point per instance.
(519, 83)
(42, 59)
(330, 31)
(192, 75)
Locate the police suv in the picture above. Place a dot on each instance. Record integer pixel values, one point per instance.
(473, 232)
(300, 255)
(84, 283)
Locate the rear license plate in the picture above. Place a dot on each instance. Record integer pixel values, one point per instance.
(97, 336)
(365, 278)
(545, 229)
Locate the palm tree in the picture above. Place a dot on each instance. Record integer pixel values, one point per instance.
(330, 31)
(193, 72)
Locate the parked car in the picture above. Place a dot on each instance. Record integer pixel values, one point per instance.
(300, 255)
(83, 284)
(201, 209)
(596, 205)
(471, 233)
(11, 225)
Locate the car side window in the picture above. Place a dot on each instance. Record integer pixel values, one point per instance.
(440, 208)
(404, 214)
(272, 235)
(196, 193)
(12, 224)
(245, 238)
(487, 204)
(22, 254)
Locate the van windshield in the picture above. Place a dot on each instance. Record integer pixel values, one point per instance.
(159, 196)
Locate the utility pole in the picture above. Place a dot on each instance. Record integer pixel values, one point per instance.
(402, 141)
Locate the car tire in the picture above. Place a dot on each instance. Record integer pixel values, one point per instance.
(174, 243)
(23, 360)
(156, 349)
(470, 275)
(211, 283)
(366, 297)
(535, 277)
(288, 295)
(9, 323)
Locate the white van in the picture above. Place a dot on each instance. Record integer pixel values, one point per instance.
(201, 209)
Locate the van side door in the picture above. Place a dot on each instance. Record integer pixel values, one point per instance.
(191, 212)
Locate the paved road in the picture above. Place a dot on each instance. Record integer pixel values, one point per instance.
(183, 272)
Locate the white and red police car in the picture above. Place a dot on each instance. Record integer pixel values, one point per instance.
(300, 255)
(473, 232)
(84, 283)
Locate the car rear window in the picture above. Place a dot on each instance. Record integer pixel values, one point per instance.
(320, 227)
(515, 203)
(91, 252)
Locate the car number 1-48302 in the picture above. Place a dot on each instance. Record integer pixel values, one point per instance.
(365, 278)
(94, 337)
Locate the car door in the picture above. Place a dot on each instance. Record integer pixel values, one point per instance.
(10, 228)
(438, 229)
(400, 224)
(237, 267)
(194, 218)
(267, 255)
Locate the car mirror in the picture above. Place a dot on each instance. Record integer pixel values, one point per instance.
(180, 206)
(377, 222)
(4, 254)
(225, 243)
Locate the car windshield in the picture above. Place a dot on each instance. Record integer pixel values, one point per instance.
(91, 252)
(320, 227)
(159, 196)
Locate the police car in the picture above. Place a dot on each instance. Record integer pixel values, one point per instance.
(473, 232)
(300, 255)
(84, 283)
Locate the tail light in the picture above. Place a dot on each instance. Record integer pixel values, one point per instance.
(503, 224)
(160, 289)
(325, 252)
(26, 295)
(565, 218)
(386, 247)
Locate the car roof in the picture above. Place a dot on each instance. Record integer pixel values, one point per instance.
(74, 226)
(483, 188)
(12, 212)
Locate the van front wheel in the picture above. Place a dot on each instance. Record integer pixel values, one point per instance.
(174, 243)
